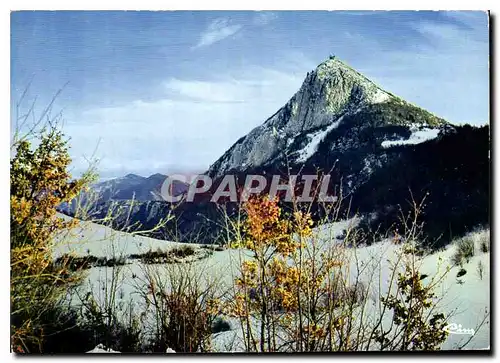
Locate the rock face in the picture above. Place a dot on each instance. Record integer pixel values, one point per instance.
(328, 95)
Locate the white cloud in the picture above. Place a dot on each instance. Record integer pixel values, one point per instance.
(438, 31)
(221, 28)
(216, 31)
(233, 91)
(191, 126)
(263, 18)
(228, 89)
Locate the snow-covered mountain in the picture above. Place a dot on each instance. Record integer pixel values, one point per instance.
(122, 190)
(130, 186)
(136, 187)
(376, 147)
(332, 96)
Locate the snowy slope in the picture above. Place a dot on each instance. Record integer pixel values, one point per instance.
(314, 139)
(417, 137)
(97, 240)
(465, 304)
(467, 301)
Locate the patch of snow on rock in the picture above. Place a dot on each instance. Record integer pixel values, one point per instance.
(380, 96)
(314, 139)
(416, 137)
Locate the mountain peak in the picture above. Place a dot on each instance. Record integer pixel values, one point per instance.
(157, 176)
(343, 89)
(335, 67)
(332, 95)
(333, 63)
(133, 176)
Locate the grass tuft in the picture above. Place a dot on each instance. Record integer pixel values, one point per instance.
(465, 250)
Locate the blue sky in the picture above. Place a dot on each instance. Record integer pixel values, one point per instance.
(171, 91)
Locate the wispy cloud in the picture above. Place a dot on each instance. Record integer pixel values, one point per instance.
(217, 92)
(229, 89)
(264, 18)
(219, 29)
(438, 32)
(222, 28)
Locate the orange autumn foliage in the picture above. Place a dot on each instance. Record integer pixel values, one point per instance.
(39, 182)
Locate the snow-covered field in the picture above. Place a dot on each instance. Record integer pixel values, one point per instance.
(101, 241)
(466, 301)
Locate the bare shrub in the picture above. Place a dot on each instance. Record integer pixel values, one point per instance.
(484, 243)
(457, 259)
(120, 332)
(164, 256)
(464, 250)
(76, 263)
(356, 293)
(480, 269)
(183, 304)
(183, 251)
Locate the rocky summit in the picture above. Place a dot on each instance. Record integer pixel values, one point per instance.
(331, 96)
